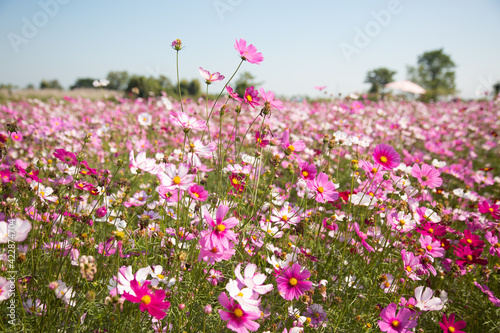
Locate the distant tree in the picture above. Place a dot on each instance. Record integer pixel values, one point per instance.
(83, 83)
(30, 86)
(496, 89)
(194, 88)
(434, 72)
(141, 86)
(54, 84)
(244, 81)
(184, 88)
(379, 78)
(118, 80)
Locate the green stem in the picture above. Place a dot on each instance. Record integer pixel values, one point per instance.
(178, 82)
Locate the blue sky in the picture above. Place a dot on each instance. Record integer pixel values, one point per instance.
(304, 43)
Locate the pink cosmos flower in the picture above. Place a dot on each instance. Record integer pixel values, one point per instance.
(248, 53)
(432, 247)
(197, 149)
(4, 288)
(386, 156)
(485, 289)
(448, 325)
(495, 243)
(209, 78)
(486, 208)
(291, 148)
(220, 235)
(396, 323)
(141, 162)
(214, 253)
(239, 320)
(244, 296)
(154, 303)
(198, 193)
(176, 178)
(233, 94)
(427, 175)
(66, 156)
(292, 282)
(322, 189)
(411, 264)
(363, 237)
(18, 231)
(251, 279)
(471, 239)
(469, 256)
(16, 136)
(251, 97)
(269, 99)
(186, 122)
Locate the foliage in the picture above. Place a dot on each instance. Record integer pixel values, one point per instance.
(434, 72)
(245, 80)
(378, 78)
(83, 83)
(118, 80)
(53, 84)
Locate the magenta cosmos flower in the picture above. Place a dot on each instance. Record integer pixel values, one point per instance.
(220, 235)
(248, 53)
(386, 156)
(322, 189)
(251, 97)
(486, 208)
(427, 175)
(237, 319)
(186, 122)
(209, 78)
(154, 303)
(448, 325)
(292, 283)
(396, 323)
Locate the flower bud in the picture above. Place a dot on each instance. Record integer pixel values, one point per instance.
(208, 309)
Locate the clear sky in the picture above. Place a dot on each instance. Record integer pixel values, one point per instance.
(304, 43)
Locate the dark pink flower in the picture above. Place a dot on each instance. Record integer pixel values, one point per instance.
(251, 97)
(233, 94)
(198, 193)
(471, 239)
(248, 53)
(448, 325)
(307, 171)
(154, 303)
(386, 156)
(220, 235)
(291, 148)
(260, 140)
(292, 282)
(66, 156)
(486, 208)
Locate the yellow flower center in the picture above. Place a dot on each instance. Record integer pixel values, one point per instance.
(383, 159)
(235, 181)
(240, 294)
(160, 276)
(321, 189)
(395, 323)
(431, 230)
(387, 284)
(146, 299)
(293, 282)
(469, 258)
(196, 195)
(177, 180)
(221, 227)
(491, 209)
(402, 222)
(238, 312)
(429, 248)
(408, 268)
(469, 240)
(284, 218)
(291, 148)
(451, 329)
(305, 173)
(249, 98)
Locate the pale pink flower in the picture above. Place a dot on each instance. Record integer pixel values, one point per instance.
(248, 53)
(186, 122)
(251, 279)
(209, 78)
(269, 98)
(177, 178)
(141, 162)
(16, 230)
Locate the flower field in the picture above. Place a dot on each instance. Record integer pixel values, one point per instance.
(249, 213)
